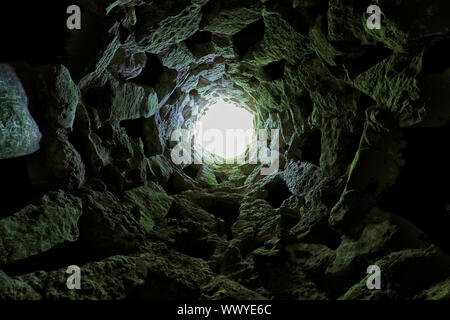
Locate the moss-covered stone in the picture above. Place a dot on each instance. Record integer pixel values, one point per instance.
(363, 122)
(19, 133)
(39, 227)
(138, 276)
(148, 203)
(57, 97)
(65, 168)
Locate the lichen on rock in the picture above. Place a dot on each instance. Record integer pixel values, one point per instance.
(88, 130)
(19, 133)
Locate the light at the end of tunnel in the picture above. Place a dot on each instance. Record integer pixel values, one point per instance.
(225, 130)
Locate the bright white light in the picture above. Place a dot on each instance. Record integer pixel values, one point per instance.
(225, 130)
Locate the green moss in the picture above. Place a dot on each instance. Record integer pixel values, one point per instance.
(151, 201)
(19, 133)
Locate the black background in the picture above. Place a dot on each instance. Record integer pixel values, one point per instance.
(33, 31)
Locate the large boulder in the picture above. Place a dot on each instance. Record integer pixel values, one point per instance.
(39, 227)
(57, 165)
(140, 276)
(57, 97)
(19, 133)
(149, 203)
(107, 226)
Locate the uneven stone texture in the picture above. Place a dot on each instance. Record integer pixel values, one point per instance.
(56, 97)
(104, 280)
(149, 202)
(120, 101)
(107, 225)
(399, 266)
(64, 166)
(363, 119)
(126, 64)
(39, 227)
(222, 288)
(19, 133)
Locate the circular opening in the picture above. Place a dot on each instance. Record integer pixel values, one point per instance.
(224, 130)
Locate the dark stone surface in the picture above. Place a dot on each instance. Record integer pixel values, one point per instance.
(363, 179)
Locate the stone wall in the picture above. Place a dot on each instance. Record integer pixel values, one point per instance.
(363, 116)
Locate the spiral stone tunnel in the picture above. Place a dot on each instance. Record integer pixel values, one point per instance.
(362, 180)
